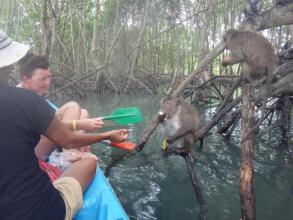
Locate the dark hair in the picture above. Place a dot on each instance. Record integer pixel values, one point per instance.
(31, 62)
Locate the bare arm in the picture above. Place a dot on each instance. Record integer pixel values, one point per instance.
(62, 136)
(44, 148)
(88, 124)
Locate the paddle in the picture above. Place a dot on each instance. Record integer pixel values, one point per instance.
(125, 145)
(124, 116)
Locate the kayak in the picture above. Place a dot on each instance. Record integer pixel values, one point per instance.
(100, 201)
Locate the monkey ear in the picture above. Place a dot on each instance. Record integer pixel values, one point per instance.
(178, 102)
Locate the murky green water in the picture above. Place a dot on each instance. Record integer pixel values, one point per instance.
(150, 187)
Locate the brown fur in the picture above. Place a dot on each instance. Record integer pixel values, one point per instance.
(180, 122)
(256, 56)
(254, 53)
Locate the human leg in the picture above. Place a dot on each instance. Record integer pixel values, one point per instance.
(44, 148)
(69, 111)
(73, 182)
(82, 170)
(71, 192)
(84, 115)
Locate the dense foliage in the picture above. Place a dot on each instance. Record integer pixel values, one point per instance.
(156, 37)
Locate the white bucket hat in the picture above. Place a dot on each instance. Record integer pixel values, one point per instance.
(10, 51)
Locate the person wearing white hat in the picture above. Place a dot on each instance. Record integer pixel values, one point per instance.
(25, 190)
(11, 52)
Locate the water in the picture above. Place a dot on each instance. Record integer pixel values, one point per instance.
(150, 187)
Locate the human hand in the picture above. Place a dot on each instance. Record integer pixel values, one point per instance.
(71, 155)
(117, 135)
(90, 124)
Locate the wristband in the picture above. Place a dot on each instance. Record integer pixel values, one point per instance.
(74, 125)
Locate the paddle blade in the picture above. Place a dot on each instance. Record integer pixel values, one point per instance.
(125, 145)
(125, 116)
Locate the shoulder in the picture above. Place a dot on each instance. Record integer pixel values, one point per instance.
(23, 97)
(17, 90)
(28, 93)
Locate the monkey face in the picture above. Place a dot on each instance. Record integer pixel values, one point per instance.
(228, 36)
(169, 109)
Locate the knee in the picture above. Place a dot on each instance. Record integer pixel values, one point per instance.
(69, 106)
(72, 104)
(91, 164)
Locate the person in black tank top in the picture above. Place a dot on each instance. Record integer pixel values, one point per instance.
(25, 190)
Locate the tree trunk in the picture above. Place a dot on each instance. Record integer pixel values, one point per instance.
(45, 28)
(75, 61)
(94, 50)
(55, 30)
(83, 33)
(10, 15)
(246, 179)
(139, 42)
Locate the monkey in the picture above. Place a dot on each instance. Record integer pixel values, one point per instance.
(179, 121)
(282, 2)
(173, 15)
(252, 7)
(254, 53)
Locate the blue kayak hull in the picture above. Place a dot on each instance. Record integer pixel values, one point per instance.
(100, 201)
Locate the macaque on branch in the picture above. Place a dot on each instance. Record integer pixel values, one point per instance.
(254, 53)
(179, 121)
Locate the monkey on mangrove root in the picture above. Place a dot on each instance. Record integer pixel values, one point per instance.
(254, 53)
(179, 121)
